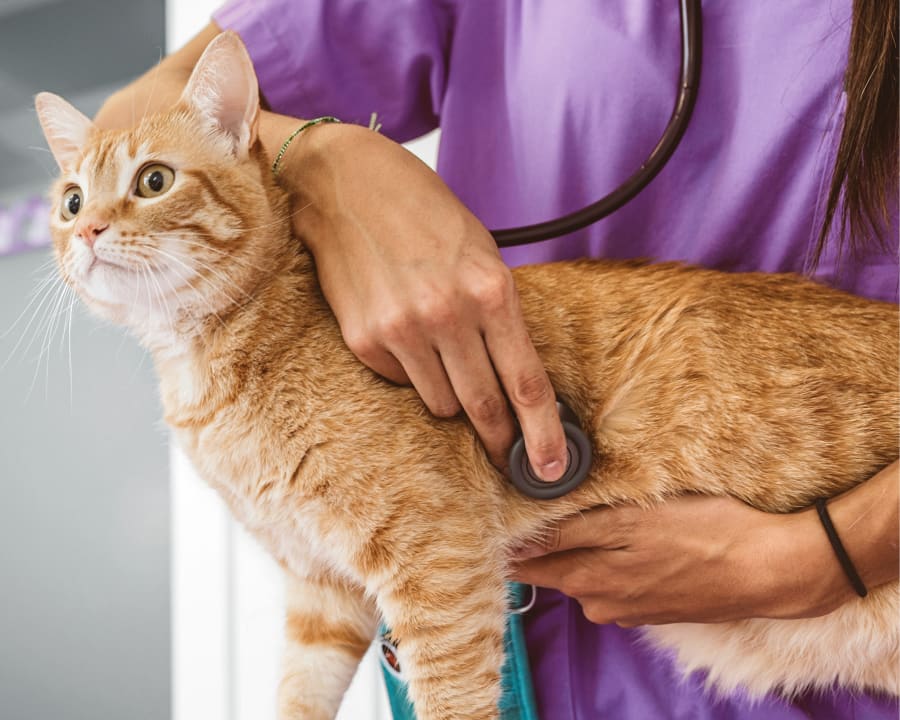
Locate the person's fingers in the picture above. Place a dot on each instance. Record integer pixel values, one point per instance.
(396, 349)
(475, 383)
(596, 528)
(584, 576)
(606, 528)
(429, 378)
(549, 571)
(371, 352)
(529, 391)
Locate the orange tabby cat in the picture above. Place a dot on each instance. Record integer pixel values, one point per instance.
(768, 388)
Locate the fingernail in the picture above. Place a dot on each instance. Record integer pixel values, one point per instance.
(552, 471)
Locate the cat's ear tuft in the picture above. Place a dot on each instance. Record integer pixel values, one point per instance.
(65, 128)
(224, 90)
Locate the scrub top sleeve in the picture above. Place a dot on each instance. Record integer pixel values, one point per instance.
(348, 58)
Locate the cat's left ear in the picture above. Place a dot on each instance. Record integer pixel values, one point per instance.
(65, 128)
(223, 88)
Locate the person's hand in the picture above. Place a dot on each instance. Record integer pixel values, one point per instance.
(419, 288)
(690, 559)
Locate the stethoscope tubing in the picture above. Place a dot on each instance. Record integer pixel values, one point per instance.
(691, 52)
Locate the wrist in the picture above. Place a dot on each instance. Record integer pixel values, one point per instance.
(276, 164)
(866, 520)
(309, 152)
(798, 575)
(152, 93)
(309, 166)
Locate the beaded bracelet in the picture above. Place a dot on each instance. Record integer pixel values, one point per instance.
(284, 146)
(839, 550)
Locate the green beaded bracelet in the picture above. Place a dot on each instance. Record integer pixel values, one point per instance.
(284, 147)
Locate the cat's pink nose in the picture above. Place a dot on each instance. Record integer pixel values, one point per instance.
(89, 229)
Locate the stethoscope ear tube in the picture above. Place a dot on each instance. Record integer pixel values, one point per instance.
(524, 478)
(691, 48)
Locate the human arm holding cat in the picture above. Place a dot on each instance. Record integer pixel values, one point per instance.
(415, 280)
(708, 559)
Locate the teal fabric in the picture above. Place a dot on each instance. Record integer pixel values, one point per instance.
(517, 700)
(401, 707)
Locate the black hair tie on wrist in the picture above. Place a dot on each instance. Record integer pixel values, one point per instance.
(838, 547)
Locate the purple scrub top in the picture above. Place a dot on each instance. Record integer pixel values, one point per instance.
(545, 106)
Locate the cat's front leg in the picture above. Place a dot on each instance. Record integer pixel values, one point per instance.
(329, 625)
(447, 618)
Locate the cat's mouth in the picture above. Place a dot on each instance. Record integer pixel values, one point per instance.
(98, 263)
(120, 279)
(103, 278)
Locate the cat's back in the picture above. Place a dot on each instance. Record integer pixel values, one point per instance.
(710, 374)
(774, 314)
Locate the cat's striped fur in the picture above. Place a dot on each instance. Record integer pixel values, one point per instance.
(769, 388)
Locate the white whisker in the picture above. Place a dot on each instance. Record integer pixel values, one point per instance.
(35, 293)
(204, 266)
(198, 293)
(44, 329)
(277, 221)
(47, 350)
(51, 261)
(71, 371)
(149, 298)
(161, 294)
(243, 262)
(46, 294)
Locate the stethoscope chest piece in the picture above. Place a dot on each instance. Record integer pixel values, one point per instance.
(522, 475)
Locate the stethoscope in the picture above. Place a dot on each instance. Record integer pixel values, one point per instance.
(579, 448)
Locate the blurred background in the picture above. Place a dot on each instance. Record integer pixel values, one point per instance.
(126, 591)
(84, 515)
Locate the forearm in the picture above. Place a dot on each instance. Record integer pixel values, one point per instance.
(160, 87)
(711, 559)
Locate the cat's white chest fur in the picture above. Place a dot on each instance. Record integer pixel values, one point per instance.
(232, 448)
(281, 524)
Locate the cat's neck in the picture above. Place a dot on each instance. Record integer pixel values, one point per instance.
(290, 289)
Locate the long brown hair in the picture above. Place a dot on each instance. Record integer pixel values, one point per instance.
(865, 170)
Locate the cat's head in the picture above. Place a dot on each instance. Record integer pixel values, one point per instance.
(165, 224)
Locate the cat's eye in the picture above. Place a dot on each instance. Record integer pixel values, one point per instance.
(72, 201)
(154, 180)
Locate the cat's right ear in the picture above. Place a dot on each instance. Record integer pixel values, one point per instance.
(65, 128)
(223, 88)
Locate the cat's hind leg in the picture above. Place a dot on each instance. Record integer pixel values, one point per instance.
(447, 617)
(328, 627)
